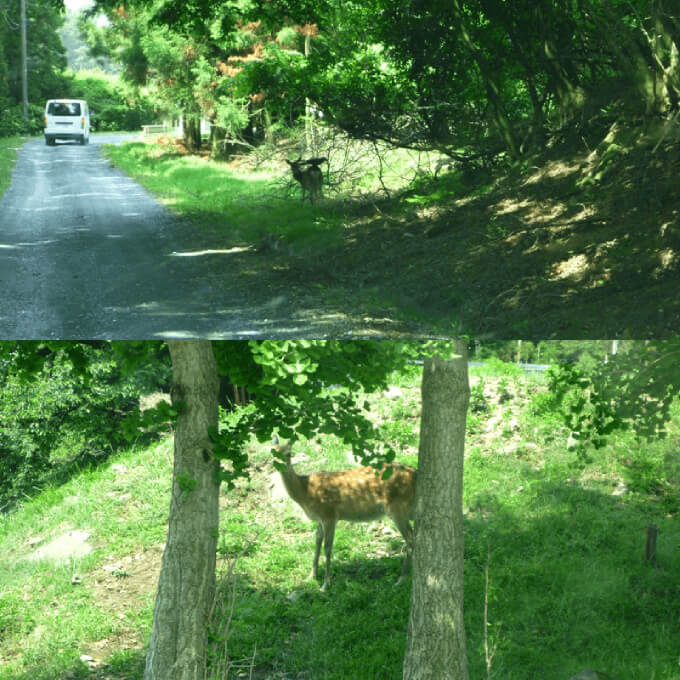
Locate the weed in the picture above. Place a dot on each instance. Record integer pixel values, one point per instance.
(478, 401)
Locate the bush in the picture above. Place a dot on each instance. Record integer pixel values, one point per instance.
(61, 420)
(111, 117)
(12, 120)
(113, 107)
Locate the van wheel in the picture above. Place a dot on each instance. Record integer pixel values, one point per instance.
(49, 141)
(82, 140)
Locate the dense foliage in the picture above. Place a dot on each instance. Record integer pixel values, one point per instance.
(302, 388)
(113, 105)
(81, 56)
(116, 105)
(63, 410)
(634, 390)
(66, 404)
(46, 59)
(476, 79)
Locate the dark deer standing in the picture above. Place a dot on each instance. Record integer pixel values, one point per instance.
(356, 495)
(310, 177)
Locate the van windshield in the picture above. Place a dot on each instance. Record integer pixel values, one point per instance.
(64, 108)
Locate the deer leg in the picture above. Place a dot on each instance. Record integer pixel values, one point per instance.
(317, 551)
(329, 535)
(406, 530)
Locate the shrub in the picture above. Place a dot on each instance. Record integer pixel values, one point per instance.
(62, 420)
(113, 107)
(12, 120)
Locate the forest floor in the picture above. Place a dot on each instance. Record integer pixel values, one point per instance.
(581, 240)
(563, 545)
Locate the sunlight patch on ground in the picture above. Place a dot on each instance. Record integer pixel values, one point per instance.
(667, 258)
(545, 211)
(575, 267)
(603, 248)
(554, 170)
(66, 547)
(585, 213)
(431, 212)
(510, 205)
(542, 211)
(465, 200)
(228, 251)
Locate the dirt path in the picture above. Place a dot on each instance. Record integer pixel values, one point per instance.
(85, 252)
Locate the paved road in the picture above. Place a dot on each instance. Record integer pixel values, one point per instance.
(85, 252)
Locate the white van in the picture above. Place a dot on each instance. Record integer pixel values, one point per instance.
(67, 119)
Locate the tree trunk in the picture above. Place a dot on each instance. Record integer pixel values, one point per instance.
(192, 131)
(187, 580)
(493, 94)
(435, 646)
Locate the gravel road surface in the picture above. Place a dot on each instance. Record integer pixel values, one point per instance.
(85, 252)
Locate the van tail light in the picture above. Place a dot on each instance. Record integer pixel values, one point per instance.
(82, 123)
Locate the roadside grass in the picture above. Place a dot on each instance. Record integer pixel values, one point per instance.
(533, 249)
(568, 587)
(254, 205)
(246, 206)
(8, 158)
(296, 247)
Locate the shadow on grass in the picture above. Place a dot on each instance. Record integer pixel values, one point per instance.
(541, 254)
(568, 590)
(125, 665)
(357, 629)
(558, 249)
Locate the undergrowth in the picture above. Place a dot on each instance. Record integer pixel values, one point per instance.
(563, 543)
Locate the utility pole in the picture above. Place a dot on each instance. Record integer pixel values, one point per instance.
(24, 61)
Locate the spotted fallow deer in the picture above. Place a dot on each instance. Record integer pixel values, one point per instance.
(356, 495)
(310, 177)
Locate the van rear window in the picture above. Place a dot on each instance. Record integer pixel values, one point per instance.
(64, 109)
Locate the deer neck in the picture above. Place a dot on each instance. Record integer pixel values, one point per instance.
(296, 485)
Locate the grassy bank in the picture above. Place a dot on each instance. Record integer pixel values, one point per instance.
(536, 249)
(245, 206)
(8, 158)
(568, 588)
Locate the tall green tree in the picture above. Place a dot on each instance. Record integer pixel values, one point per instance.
(477, 78)
(46, 61)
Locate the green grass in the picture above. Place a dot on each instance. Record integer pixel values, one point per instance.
(296, 245)
(46, 618)
(8, 158)
(247, 206)
(568, 588)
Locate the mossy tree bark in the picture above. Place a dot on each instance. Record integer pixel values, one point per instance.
(436, 646)
(187, 580)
